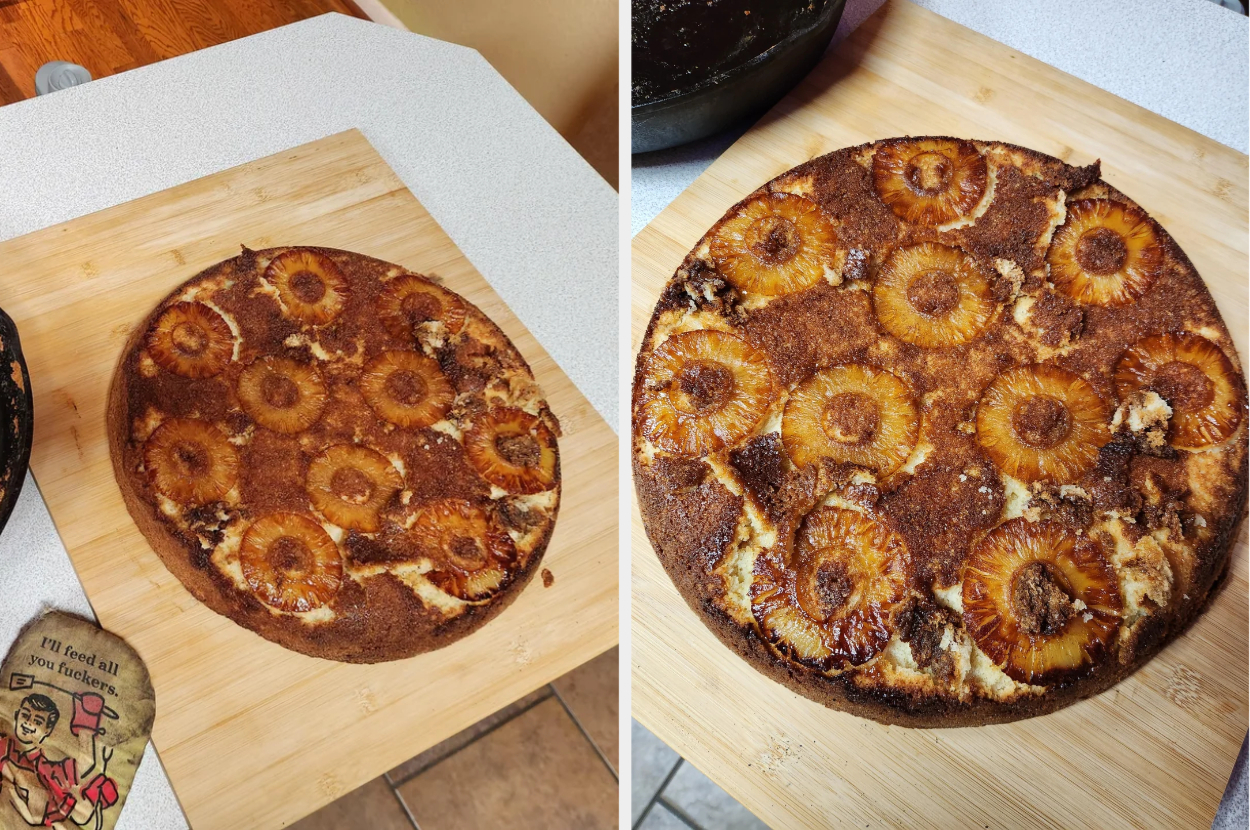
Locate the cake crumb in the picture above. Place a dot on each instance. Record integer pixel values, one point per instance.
(1145, 574)
(1145, 415)
(1066, 503)
(928, 628)
(1012, 282)
(548, 579)
(856, 267)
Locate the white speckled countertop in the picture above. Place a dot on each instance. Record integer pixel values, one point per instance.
(530, 214)
(1155, 53)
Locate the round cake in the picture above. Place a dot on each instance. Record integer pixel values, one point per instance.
(337, 453)
(940, 432)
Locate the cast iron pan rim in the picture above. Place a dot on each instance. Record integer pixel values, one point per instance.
(834, 7)
(18, 411)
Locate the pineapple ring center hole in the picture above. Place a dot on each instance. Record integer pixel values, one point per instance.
(773, 239)
(518, 450)
(308, 287)
(1101, 251)
(191, 459)
(406, 388)
(932, 293)
(290, 556)
(827, 589)
(189, 339)
(466, 553)
(351, 485)
(1183, 385)
(706, 384)
(420, 307)
(929, 173)
(1041, 599)
(851, 418)
(1041, 421)
(279, 391)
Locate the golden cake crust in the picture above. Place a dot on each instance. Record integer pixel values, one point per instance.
(1164, 518)
(385, 606)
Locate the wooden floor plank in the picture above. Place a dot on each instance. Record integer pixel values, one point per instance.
(108, 17)
(211, 21)
(9, 90)
(163, 25)
(111, 36)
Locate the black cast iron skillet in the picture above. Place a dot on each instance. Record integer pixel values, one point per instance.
(699, 66)
(17, 417)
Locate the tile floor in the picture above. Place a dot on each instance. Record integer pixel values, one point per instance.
(546, 762)
(668, 793)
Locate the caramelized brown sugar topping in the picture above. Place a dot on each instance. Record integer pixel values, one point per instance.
(961, 368)
(310, 420)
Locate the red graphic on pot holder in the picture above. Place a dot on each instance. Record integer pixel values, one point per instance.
(48, 792)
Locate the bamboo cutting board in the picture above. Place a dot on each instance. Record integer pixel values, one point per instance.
(250, 734)
(1156, 750)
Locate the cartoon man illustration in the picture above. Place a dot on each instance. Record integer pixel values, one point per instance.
(50, 793)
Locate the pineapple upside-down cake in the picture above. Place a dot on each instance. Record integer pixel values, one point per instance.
(940, 432)
(339, 454)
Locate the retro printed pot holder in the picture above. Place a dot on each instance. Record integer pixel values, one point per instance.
(76, 710)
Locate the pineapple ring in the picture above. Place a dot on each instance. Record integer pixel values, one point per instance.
(310, 285)
(854, 414)
(1194, 376)
(1105, 253)
(1042, 423)
(834, 607)
(512, 449)
(349, 485)
(929, 181)
(192, 340)
(931, 295)
(190, 461)
(774, 243)
(290, 563)
(407, 389)
(472, 557)
(410, 300)
(991, 600)
(281, 394)
(703, 390)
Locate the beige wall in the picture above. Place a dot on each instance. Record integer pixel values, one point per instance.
(561, 55)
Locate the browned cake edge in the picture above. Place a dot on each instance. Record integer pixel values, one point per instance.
(694, 584)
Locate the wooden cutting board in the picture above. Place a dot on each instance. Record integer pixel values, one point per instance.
(1156, 750)
(253, 735)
